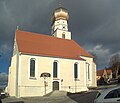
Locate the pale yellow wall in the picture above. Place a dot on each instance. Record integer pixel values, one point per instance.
(94, 74)
(12, 77)
(13, 72)
(92, 81)
(58, 33)
(35, 87)
(67, 74)
(59, 24)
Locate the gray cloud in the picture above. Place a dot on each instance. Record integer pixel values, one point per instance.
(92, 23)
(3, 77)
(102, 53)
(3, 80)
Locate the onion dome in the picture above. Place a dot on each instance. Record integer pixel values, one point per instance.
(60, 13)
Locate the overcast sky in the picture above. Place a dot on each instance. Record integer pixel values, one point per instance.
(95, 25)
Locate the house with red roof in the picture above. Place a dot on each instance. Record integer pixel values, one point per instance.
(106, 74)
(42, 64)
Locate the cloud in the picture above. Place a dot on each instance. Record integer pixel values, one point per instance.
(5, 51)
(91, 22)
(5, 48)
(3, 77)
(118, 52)
(103, 55)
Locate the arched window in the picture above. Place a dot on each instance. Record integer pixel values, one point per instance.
(63, 35)
(55, 69)
(32, 67)
(75, 70)
(88, 66)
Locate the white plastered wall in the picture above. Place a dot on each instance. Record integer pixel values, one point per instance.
(12, 77)
(35, 86)
(92, 81)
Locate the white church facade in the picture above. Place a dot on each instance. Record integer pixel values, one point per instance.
(41, 64)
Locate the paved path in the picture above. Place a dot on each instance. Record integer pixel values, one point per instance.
(87, 97)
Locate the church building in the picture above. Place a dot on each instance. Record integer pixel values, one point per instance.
(42, 64)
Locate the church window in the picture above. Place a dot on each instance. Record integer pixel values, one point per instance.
(75, 70)
(32, 68)
(55, 69)
(88, 66)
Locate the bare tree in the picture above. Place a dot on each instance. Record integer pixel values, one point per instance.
(115, 64)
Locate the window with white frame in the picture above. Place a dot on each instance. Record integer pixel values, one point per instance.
(76, 70)
(88, 69)
(55, 69)
(32, 67)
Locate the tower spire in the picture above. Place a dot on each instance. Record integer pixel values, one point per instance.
(60, 23)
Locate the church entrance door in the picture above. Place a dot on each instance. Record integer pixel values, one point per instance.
(55, 85)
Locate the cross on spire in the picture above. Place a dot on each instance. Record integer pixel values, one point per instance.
(60, 3)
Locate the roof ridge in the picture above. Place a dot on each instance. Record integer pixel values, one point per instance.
(45, 35)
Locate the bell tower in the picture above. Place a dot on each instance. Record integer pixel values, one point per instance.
(60, 23)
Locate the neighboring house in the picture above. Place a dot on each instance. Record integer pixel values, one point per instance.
(99, 74)
(109, 73)
(41, 64)
(104, 73)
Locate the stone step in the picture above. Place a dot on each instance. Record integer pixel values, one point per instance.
(57, 93)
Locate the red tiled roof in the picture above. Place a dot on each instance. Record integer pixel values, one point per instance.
(44, 45)
(108, 70)
(100, 72)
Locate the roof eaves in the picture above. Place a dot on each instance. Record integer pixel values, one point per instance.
(55, 56)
